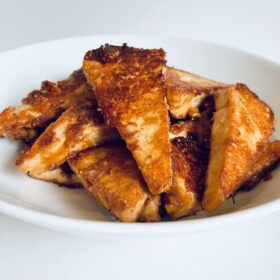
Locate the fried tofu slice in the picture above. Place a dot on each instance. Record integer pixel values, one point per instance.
(186, 91)
(266, 159)
(130, 91)
(42, 106)
(62, 176)
(190, 153)
(189, 168)
(110, 175)
(80, 127)
(242, 124)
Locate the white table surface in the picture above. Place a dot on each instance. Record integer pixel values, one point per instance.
(249, 250)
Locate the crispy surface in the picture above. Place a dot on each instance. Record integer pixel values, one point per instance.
(190, 152)
(80, 127)
(62, 175)
(189, 167)
(186, 91)
(266, 159)
(130, 90)
(242, 124)
(111, 176)
(42, 106)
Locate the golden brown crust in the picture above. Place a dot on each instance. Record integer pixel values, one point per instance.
(111, 176)
(79, 128)
(42, 106)
(130, 91)
(190, 152)
(266, 159)
(263, 117)
(186, 91)
(189, 168)
(242, 124)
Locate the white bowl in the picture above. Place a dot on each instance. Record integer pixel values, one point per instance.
(71, 210)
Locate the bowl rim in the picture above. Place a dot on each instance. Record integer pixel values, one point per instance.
(118, 228)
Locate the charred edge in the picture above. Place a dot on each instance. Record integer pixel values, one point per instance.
(111, 54)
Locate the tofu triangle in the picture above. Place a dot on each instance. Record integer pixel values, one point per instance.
(242, 125)
(130, 91)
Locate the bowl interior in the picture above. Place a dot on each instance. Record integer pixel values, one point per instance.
(23, 69)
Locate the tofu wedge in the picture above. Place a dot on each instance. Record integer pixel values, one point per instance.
(110, 175)
(189, 167)
(129, 87)
(42, 106)
(242, 125)
(64, 176)
(186, 91)
(190, 152)
(80, 127)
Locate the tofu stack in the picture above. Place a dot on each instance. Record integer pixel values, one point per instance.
(146, 141)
